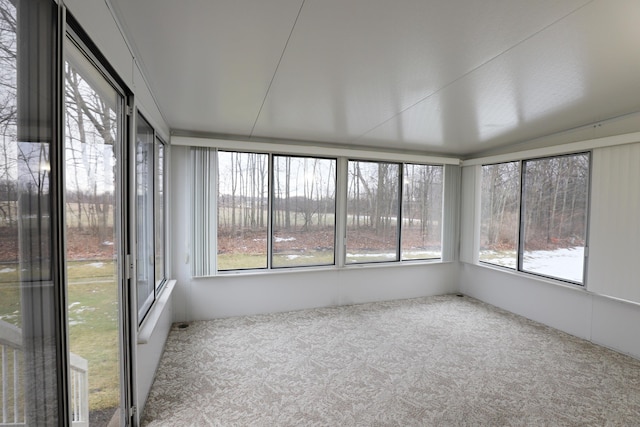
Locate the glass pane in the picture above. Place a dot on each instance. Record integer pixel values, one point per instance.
(28, 294)
(159, 211)
(92, 134)
(303, 211)
(242, 210)
(499, 223)
(422, 212)
(372, 212)
(145, 282)
(555, 216)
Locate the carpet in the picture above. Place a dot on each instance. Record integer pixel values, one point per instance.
(434, 361)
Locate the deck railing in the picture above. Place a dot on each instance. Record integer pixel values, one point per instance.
(13, 403)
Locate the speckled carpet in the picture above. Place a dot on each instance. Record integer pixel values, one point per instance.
(437, 361)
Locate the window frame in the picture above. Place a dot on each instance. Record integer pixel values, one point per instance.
(340, 224)
(156, 141)
(162, 181)
(440, 211)
(272, 197)
(520, 232)
(399, 184)
(267, 265)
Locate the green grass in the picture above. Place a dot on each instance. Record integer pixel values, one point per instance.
(93, 318)
(249, 261)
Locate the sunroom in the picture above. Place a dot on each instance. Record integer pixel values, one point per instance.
(169, 162)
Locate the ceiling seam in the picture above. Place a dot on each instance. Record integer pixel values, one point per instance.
(284, 49)
(435, 92)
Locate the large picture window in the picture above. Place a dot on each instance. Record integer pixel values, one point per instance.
(243, 210)
(372, 212)
(422, 212)
(500, 214)
(555, 193)
(539, 227)
(303, 211)
(268, 211)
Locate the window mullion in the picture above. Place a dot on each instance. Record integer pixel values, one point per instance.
(399, 214)
(522, 217)
(270, 204)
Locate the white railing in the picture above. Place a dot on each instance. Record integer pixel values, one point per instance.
(79, 391)
(13, 410)
(13, 406)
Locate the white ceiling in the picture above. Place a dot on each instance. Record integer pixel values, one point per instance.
(455, 76)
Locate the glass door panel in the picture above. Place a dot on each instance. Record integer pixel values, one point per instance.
(92, 140)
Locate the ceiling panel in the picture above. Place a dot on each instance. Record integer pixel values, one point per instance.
(351, 65)
(581, 71)
(455, 77)
(209, 62)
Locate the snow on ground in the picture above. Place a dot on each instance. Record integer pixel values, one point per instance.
(96, 264)
(564, 263)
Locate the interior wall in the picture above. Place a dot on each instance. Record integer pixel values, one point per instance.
(285, 290)
(603, 309)
(614, 231)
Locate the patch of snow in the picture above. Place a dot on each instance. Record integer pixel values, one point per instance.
(96, 264)
(373, 255)
(298, 256)
(107, 243)
(7, 270)
(284, 239)
(565, 263)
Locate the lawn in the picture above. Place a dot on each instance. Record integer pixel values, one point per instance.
(93, 322)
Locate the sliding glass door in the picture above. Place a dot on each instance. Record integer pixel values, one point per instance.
(63, 306)
(30, 285)
(93, 147)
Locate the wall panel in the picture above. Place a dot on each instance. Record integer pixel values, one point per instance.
(614, 240)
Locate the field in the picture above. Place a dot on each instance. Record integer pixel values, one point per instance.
(315, 247)
(93, 315)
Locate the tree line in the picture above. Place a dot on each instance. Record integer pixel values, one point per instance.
(554, 203)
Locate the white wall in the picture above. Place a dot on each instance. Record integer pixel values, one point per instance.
(605, 309)
(151, 340)
(614, 231)
(278, 290)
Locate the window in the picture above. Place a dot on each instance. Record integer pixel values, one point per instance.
(159, 213)
(270, 211)
(555, 193)
(150, 266)
(243, 210)
(541, 227)
(303, 211)
(422, 212)
(372, 212)
(500, 214)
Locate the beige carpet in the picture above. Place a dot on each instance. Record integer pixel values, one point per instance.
(435, 361)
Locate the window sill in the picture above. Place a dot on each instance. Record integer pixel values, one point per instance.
(149, 324)
(293, 270)
(533, 276)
